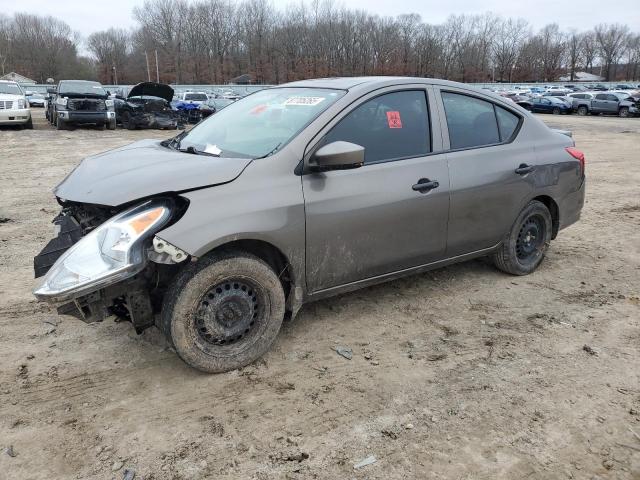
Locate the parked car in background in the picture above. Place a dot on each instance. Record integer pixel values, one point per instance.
(14, 107)
(35, 99)
(549, 104)
(295, 193)
(197, 98)
(80, 102)
(606, 103)
(147, 105)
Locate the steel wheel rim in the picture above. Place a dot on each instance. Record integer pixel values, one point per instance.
(531, 238)
(229, 315)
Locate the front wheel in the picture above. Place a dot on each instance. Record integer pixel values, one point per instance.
(556, 111)
(624, 112)
(223, 312)
(524, 247)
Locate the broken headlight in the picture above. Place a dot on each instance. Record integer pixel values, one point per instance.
(112, 252)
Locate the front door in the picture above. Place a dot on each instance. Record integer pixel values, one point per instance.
(376, 219)
(490, 177)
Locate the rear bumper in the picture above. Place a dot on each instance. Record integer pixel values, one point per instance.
(78, 117)
(571, 206)
(14, 117)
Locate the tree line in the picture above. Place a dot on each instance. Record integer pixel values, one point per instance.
(213, 41)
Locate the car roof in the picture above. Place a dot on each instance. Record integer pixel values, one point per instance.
(348, 83)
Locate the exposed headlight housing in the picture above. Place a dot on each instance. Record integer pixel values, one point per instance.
(21, 104)
(62, 101)
(109, 254)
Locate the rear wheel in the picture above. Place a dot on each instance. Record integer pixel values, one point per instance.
(556, 111)
(525, 246)
(582, 110)
(624, 112)
(224, 311)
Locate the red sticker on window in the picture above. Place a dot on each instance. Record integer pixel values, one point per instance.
(393, 119)
(258, 109)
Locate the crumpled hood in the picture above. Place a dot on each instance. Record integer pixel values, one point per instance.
(152, 89)
(143, 169)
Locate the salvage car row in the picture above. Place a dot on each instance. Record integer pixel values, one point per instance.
(80, 102)
(623, 101)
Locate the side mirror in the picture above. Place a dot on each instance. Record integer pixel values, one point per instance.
(337, 156)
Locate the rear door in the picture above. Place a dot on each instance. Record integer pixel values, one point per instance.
(490, 173)
(600, 103)
(372, 220)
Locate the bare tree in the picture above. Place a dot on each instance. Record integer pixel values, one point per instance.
(612, 40)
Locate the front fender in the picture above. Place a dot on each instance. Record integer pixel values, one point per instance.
(256, 206)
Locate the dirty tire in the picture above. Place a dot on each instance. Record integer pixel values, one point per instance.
(111, 125)
(582, 110)
(126, 121)
(624, 112)
(556, 111)
(29, 124)
(224, 311)
(518, 256)
(61, 124)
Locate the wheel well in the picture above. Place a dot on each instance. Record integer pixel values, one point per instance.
(551, 204)
(268, 253)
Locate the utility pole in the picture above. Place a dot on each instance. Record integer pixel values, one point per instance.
(115, 75)
(148, 73)
(157, 69)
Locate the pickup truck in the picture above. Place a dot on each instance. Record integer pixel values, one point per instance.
(80, 102)
(606, 103)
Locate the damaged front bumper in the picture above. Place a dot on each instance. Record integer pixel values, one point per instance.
(162, 120)
(94, 272)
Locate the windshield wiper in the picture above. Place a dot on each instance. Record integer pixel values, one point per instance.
(194, 151)
(271, 152)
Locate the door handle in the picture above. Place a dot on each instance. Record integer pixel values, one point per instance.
(523, 169)
(424, 185)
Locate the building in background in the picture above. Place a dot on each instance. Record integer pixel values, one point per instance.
(16, 77)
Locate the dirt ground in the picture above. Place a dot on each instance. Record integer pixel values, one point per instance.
(462, 373)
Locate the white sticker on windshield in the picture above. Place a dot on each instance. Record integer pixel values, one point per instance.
(305, 101)
(212, 149)
(97, 86)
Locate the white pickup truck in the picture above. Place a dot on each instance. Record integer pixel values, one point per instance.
(14, 107)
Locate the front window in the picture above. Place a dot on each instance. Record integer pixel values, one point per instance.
(392, 126)
(259, 124)
(81, 88)
(10, 88)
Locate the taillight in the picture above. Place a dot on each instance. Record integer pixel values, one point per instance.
(578, 155)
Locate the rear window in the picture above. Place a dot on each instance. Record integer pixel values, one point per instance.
(195, 96)
(471, 121)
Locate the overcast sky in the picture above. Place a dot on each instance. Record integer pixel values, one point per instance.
(88, 16)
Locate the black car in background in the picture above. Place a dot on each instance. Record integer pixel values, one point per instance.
(80, 102)
(147, 105)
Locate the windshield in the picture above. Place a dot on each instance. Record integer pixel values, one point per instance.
(10, 88)
(260, 124)
(195, 96)
(81, 87)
